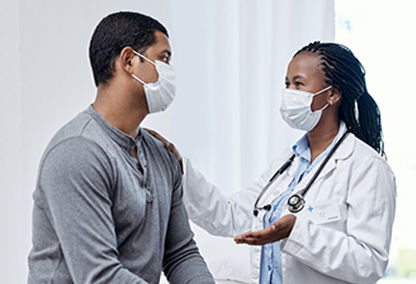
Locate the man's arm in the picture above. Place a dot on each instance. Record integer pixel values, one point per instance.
(182, 263)
(76, 180)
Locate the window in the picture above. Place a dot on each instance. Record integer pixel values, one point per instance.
(382, 36)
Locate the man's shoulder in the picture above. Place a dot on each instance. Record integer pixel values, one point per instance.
(73, 128)
(71, 155)
(74, 132)
(158, 150)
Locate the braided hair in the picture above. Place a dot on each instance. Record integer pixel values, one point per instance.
(358, 109)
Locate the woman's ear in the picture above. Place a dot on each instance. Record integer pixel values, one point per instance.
(334, 96)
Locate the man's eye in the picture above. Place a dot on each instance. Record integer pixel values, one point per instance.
(287, 84)
(297, 84)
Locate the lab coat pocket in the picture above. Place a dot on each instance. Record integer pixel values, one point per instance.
(325, 212)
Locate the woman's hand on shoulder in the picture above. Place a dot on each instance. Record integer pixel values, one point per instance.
(169, 146)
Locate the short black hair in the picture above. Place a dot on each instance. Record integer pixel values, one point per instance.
(115, 32)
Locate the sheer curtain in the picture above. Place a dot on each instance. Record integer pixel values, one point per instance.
(230, 58)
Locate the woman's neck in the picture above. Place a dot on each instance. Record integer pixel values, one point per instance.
(322, 136)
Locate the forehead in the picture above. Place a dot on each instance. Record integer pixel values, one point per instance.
(161, 42)
(306, 64)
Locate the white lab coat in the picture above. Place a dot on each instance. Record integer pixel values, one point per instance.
(353, 249)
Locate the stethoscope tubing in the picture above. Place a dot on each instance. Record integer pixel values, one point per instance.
(300, 201)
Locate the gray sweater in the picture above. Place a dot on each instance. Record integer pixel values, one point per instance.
(102, 216)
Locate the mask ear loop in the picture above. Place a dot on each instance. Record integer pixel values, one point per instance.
(322, 109)
(323, 90)
(137, 78)
(145, 58)
(320, 92)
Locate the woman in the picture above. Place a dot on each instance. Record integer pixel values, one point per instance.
(343, 233)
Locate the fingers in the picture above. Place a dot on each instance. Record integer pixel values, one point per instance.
(252, 241)
(171, 147)
(260, 234)
(245, 240)
(275, 232)
(158, 136)
(253, 238)
(238, 240)
(264, 233)
(257, 234)
(268, 235)
(165, 142)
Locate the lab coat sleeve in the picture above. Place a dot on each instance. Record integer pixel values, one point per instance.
(209, 208)
(361, 254)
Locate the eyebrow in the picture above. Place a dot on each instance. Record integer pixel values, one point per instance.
(296, 77)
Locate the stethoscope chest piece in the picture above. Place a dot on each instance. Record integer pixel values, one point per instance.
(296, 203)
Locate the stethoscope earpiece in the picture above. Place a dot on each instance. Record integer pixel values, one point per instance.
(266, 207)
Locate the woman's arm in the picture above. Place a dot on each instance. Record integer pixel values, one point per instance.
(208, 207)
(213, 211)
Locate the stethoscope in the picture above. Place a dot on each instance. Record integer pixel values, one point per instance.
(297, 201)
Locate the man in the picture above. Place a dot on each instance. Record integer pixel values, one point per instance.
(108, 200)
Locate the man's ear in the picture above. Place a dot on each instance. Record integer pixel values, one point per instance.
(334, 96)
(126, 59)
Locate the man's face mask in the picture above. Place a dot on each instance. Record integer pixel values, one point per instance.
(159, 94)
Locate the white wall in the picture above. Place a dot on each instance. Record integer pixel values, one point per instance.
(13, 218)
(45, 80)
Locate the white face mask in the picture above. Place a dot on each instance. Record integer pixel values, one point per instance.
(159, 94)
(296, 109)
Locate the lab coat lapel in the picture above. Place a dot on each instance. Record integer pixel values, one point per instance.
(279, 186)
(343, 152)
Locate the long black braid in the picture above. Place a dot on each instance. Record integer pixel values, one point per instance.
(358, 109)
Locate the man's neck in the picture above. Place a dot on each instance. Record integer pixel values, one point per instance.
(120, 109)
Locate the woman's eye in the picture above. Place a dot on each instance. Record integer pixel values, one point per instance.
(297, 84)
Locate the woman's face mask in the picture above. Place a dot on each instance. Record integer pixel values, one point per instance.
(159, 94)
(296, 109)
